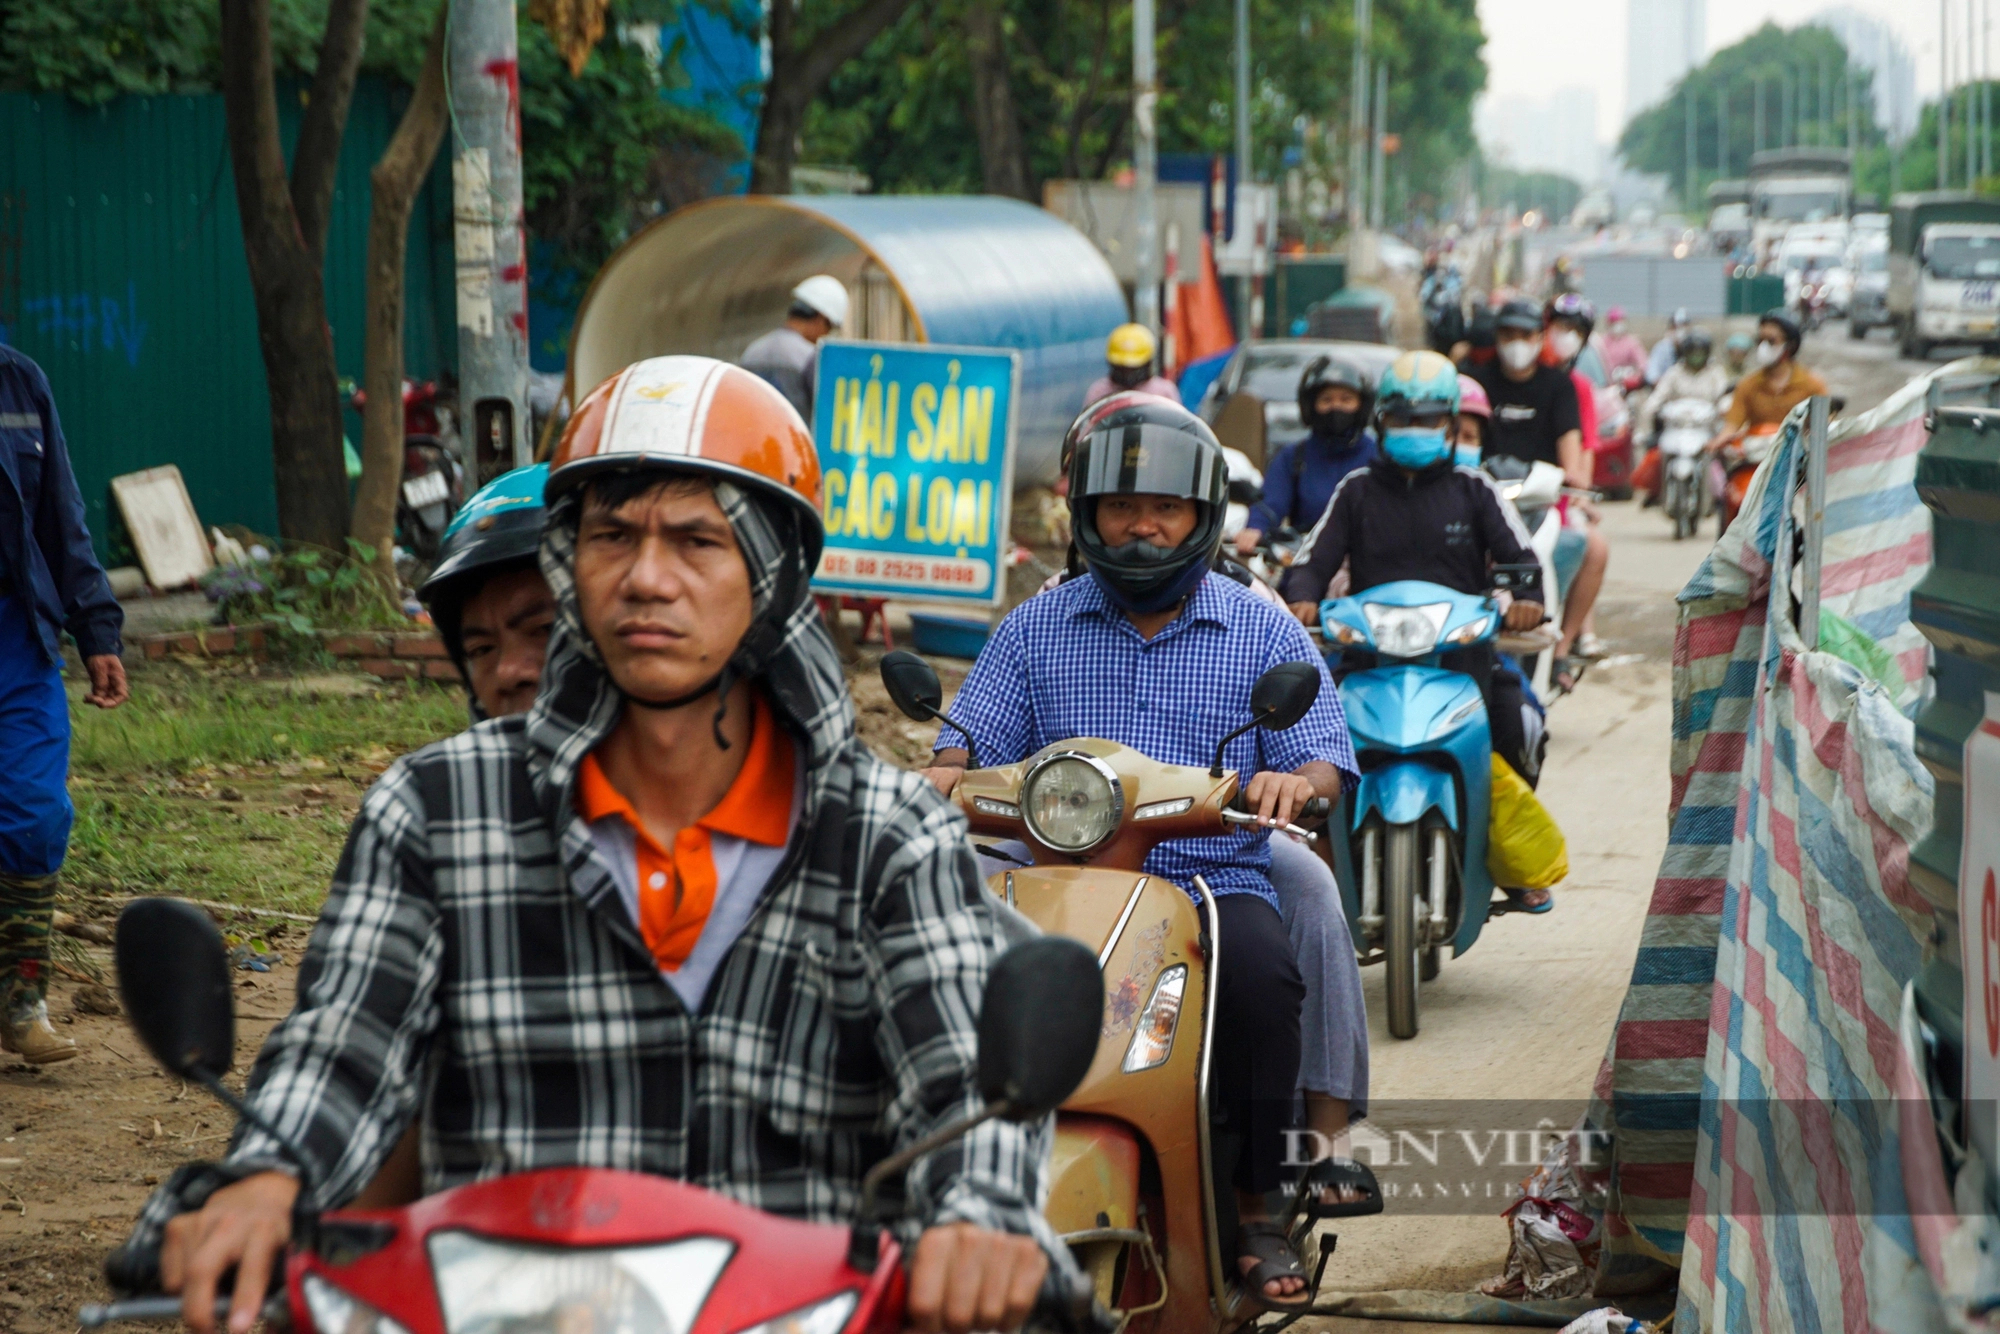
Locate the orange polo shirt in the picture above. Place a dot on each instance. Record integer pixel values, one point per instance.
(677, 885)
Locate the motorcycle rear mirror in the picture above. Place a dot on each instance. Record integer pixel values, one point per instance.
(1038, 1026)
(173, 974)
(912, 684)
(915, 690)
(1282, 696)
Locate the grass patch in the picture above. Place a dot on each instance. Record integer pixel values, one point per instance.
(182, 718)
(222, 784)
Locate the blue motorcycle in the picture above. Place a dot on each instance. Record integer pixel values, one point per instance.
(1413, 865)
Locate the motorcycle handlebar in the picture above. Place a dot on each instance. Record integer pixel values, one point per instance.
(1315, 811)
(276, 1312)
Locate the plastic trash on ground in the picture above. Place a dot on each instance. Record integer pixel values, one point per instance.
(1606, 1320)
(1555, 1233)
(1524, 846)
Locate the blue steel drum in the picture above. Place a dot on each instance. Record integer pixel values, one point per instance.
(958, 270)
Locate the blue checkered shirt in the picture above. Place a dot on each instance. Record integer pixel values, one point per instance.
(1067, 663)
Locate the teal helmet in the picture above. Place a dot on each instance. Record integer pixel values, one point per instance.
(1419, 383)
(498, 530)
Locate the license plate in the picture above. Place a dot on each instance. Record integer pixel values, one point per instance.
(428, 489)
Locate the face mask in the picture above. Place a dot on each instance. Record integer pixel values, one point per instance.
(1465, 456)
(1766, 354)
(1520, 354)
(1338, 424)
(1415, 447)
(1567, 343)
(1696, 360)
(1617, 327)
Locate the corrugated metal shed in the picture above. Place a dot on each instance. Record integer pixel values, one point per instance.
(970, 271)
(122, 274)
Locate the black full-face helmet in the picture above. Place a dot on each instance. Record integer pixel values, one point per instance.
(1140, 444)
(1333, 373)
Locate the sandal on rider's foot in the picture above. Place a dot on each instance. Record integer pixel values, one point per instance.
(1564, 674)
(1334, 1174)
(1518, 900)
(1591, 647)
(1266, 1243)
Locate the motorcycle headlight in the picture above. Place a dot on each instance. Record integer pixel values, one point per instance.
(827, 1317)
(1405, 632)
(337, 1312)
(1469, 632)
(1153, 1039)
(1072, 802)
(488, 1286)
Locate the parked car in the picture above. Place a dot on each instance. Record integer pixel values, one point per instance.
(1269, 369)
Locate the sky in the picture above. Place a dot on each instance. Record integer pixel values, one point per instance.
(1536, 46)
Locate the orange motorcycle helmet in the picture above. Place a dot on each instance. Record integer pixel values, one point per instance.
(686, 414)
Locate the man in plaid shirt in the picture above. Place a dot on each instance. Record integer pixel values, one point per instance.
(675, 919)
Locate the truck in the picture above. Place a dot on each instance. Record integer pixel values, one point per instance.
(1728, 215)
(1944, 270)
(1789, 185)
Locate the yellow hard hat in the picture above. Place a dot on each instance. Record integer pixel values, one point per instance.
(1130, 345)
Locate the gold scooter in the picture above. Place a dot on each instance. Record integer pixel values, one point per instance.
(1131, 1189)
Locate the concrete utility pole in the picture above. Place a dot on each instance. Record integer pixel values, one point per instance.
(485, 82)
(1145, 168)
(1722, 133)
(1688, 163)
(1243, 292)
(1376, 177)
(1757, 114)
(1971, 112)
(1944, 96)
(1357, 123)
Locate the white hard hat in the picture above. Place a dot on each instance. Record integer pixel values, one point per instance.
(826, 294)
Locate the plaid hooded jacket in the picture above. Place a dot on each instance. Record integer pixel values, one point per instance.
(474, 964)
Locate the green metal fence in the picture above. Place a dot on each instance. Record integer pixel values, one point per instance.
(1957, 607)
(1754, 294)
(122, 274)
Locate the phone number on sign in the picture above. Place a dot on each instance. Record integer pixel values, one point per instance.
(958, 574)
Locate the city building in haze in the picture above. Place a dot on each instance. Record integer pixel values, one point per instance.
(1664, 39)
(1553, 133)
(1872, 43)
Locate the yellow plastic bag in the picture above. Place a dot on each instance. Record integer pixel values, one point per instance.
(1524, 848)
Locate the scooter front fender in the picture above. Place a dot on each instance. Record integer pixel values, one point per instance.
(1404, 792)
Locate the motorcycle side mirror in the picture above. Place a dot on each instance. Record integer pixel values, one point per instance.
(173, 974)
(912, 684)
(1038, 1026)
(917, 693)
(1282, 696)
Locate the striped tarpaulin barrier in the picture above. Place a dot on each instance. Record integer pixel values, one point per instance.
(1758, 1025)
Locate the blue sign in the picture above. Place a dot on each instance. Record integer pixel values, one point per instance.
(916, 456)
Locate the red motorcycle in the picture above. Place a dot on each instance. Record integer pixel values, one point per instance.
(588, 1250)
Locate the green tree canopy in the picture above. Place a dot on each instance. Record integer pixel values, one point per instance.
(1776, 88)
(900, 113)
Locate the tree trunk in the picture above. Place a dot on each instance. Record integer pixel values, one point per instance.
(801, 63)
(395, 181)
(1002, 158)
(286, 277)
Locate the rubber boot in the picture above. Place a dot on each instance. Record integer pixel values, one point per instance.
(27, 902)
